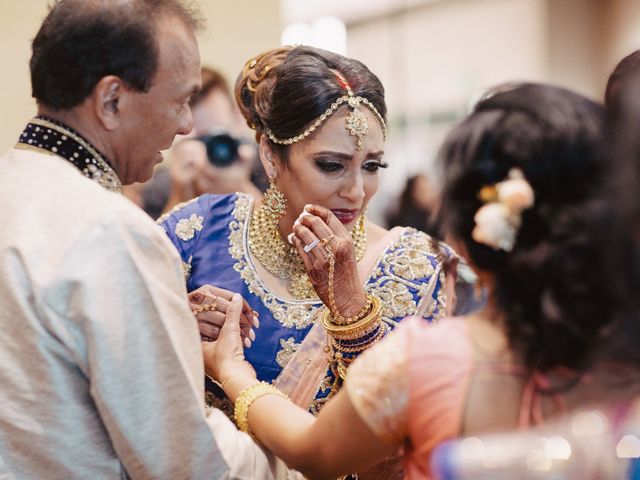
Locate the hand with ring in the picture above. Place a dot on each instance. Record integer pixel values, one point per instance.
(314, 230)
(209, 305)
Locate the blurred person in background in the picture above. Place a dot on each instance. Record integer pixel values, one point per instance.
(319, 118)
(624, 82)
(416, 205)
(218, 156)
(521, 197)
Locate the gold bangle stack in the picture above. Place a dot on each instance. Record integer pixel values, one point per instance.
(246, 399)
(361, 327)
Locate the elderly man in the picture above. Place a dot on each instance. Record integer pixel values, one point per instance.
(100, 361)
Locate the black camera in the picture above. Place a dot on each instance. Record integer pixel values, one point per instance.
(222, 149)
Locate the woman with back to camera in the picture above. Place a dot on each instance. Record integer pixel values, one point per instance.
(320, 121)
(521, 174)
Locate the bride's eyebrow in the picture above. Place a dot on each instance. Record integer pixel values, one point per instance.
(345, 156)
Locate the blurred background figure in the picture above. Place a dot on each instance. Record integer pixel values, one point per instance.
(219, 156)
(621, 80)
(416, 205)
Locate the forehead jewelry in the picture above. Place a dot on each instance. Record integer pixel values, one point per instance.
(355, 123)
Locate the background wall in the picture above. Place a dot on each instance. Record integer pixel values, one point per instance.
(233, 35)
(434, 56)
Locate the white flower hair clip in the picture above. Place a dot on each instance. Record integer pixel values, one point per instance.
(499, 219)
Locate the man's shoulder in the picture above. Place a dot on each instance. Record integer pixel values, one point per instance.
(46, 194)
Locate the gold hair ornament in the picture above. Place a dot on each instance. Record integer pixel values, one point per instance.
(356, 122)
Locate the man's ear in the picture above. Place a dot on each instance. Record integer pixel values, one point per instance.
(267, 157)
(106, 99)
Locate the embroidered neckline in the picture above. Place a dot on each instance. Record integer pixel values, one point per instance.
(383, 280)
(45, 135)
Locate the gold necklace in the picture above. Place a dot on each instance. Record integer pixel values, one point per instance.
(282, 259)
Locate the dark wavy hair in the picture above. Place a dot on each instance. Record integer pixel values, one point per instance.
(548, 286)
(82, 41)
(286, 89)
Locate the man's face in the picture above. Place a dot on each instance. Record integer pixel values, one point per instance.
(150, 121)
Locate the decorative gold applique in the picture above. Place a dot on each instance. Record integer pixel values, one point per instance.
(289, 348)
(396, 299)
(187, 227)
(175, 209)
(186, 267)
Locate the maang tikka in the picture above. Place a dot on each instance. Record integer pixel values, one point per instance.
(356, 122)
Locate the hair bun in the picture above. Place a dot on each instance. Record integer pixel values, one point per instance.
(254, 85)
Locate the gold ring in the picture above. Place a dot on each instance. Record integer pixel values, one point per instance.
(327, 240)
(207, 307)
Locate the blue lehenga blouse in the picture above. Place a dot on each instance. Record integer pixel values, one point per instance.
(211, 234)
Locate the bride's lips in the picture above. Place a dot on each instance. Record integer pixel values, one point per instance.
(346, 216)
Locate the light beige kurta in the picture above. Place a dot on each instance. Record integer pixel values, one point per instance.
(100, 361)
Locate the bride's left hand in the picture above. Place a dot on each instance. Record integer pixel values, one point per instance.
(224, 358)
(209, 305)
(319, 226)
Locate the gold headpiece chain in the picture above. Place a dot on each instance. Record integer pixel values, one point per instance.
(356, 121)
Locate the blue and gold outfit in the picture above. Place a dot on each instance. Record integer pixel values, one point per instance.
(211, 233)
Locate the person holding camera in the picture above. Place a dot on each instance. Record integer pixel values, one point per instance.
(216, 157)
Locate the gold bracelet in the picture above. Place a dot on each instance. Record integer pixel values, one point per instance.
(353, 330)
(247, 397)
(226, 380)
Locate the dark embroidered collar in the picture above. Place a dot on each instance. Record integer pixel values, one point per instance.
(46, 135)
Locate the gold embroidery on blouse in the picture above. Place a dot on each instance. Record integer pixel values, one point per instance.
(289, 348)
(175, 209)
(405, 266)
(186, 268)
(187, 227)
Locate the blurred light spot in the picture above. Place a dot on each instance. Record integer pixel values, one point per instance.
(472, 447)
(628, 447)
(538, 461)
(589, 423)
(557, 448)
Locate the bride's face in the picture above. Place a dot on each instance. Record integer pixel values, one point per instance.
(326, 169)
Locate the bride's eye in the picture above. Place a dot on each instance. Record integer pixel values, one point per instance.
(329, 166)
(374, 166)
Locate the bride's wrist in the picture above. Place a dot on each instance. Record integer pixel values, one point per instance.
(353, 306)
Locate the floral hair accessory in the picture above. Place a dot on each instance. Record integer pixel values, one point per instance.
(499, 219)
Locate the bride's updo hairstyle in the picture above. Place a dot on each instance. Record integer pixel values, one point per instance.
(548, 281)
(286, 89)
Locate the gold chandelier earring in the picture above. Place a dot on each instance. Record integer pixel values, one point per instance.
(267, 244)
(274, 201)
